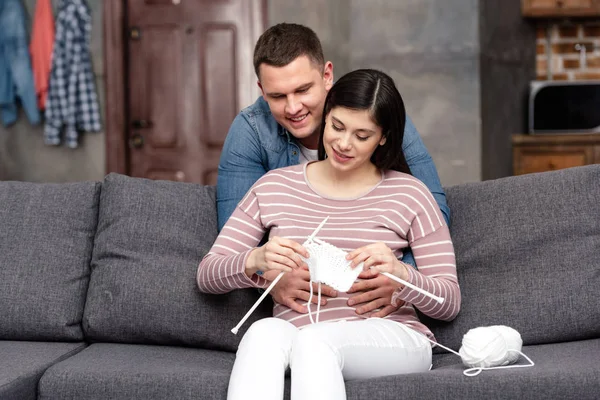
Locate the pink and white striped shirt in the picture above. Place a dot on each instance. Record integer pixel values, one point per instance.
(399, 211)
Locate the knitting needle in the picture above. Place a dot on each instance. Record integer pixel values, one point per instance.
(262, 297)
(418, 289)
(312, 236)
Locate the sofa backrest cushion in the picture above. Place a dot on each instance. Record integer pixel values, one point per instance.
(46, 239)
(151, 237)
(528, 256)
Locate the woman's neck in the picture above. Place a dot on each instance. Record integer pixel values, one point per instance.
(335, 183)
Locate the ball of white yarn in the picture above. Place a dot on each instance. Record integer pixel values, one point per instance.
(489, 346)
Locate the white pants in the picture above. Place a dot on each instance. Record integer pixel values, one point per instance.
(322, 356)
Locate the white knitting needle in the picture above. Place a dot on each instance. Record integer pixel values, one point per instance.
(418, 289)
(311, 237)
(262, 297)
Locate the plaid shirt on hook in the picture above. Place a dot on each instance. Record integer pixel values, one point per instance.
(72, 100)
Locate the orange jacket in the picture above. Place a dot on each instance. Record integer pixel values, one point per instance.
(42, 40)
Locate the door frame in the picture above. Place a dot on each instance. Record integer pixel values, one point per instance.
(114, 86)
(115, 81)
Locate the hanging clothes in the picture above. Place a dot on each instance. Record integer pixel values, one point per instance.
(16, 77)
(72, 101)
(42, 39)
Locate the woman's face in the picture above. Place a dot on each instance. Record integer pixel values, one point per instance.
(350, 138)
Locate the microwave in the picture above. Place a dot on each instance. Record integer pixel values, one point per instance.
(564, 107)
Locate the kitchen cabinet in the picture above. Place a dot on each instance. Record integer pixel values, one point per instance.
(560, 8)
(539, 153)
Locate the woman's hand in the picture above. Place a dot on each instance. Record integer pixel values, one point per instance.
(279, 254)
(378, 257)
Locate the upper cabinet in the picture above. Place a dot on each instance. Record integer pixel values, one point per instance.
(560, 8)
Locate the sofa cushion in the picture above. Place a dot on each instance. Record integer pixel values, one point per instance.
(122, 371)
(46, 238)
(151, 236)
(527, 256)
(562, 371)
(23, 363)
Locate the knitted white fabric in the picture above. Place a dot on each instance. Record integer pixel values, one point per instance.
(327, 264)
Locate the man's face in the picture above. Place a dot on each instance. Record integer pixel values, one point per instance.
(296, 94)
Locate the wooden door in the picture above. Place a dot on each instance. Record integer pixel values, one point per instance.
(187, 73)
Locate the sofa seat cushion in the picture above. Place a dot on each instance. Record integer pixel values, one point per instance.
(567, 370)
(23, 363)
(46, 238)
(122, 371)
(151, 237)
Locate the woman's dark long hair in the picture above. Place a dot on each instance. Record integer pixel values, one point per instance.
(374, 91)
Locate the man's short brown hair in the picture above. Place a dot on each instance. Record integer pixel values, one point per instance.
(283, 43)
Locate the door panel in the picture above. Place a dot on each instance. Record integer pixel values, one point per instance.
(189, 72)
(154, 88)
(219, 68)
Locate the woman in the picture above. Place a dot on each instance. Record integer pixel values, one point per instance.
(376, 209)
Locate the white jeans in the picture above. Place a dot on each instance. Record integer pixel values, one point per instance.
(322, 356)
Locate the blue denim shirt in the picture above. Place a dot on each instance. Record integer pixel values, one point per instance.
(16, 76)
(256, 144)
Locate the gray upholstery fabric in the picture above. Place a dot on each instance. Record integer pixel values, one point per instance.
(46, 238)
(151, 237)
(527, 256)
(23, 363)
(121, 371)
(562, 371)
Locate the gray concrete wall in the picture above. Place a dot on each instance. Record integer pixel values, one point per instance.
(23, 154)
(507, 66)
(429, 47)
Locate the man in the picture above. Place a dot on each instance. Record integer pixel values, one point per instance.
(282, 128)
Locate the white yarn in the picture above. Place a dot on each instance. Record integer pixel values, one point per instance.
(490, 347)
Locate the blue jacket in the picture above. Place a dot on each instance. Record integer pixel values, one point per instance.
(256, 144)
(16, 76)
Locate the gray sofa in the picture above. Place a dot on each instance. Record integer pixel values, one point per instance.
(98, 297)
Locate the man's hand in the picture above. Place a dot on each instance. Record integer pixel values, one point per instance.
(296, 285)
(377, 293)
(377, 289)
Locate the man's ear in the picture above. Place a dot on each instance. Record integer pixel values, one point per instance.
(262, 92)
(328, 75)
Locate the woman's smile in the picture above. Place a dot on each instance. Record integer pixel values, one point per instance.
(339, 157)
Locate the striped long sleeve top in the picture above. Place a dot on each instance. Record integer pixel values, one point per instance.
(399, 211)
